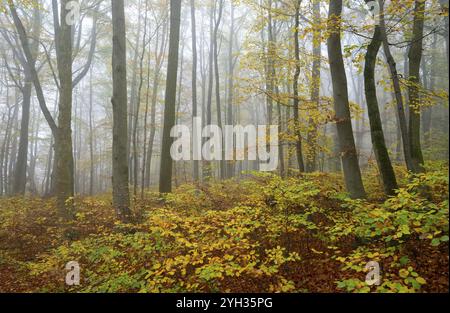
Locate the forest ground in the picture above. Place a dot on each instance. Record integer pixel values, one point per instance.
(257, 234)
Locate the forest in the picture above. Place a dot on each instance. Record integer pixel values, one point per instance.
(224, 146)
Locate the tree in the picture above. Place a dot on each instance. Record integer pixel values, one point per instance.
(397, 91)
(121, 193)
(315, 86)
(20, 173)
(194, 78)
(217, 80)
(301, 165)
(347, 149)
(165, 181)
(376, 127)
(415, 59)
(63, 141)
(63, 174)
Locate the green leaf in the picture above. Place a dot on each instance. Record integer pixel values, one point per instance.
(435, 242)
(404, 260)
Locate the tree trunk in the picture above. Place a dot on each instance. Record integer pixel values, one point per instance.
(165, 181)
(299, 151)
(415, 58)
(217, 87)
(156, 81)
(138, 106)
(311, 161)
(63, 140)
(397, 92)
(230, 97)
(121, 194)
(347, 149)
(376, 127)
(194, 80)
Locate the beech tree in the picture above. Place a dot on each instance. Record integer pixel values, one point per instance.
(347, 149)
(121, 194)
(165, 181)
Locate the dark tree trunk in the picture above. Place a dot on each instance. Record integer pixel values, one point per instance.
(299, 151)
(376, 128)
(415, 58)
(165, 181)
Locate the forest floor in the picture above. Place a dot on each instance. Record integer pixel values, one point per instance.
(258, 234)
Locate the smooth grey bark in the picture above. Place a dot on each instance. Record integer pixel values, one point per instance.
(400, 109)
(231, 66)
(222, 169)
(133, 95)
(376, 127)
(91, 137)
(165, 181)
(138, 106)
(121, 193)
(196, 173)
(347, 149)
(156, 82)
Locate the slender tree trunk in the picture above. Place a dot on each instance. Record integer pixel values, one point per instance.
(217, 87)
(231, 65)
(194, 80)
(138, 107)
(299, 151)
(20, 176)
(311, 162)
(91, 138)
(347, 149)
(376, 128)
(428, 111)
(144, 150)
(133, 96)
(397, 92)
(156, 81)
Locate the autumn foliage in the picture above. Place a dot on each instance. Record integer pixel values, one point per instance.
(259, 234)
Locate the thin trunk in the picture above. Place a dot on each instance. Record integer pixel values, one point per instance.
(299, 151)
(138, 106)
(194, 80)
(91, 138)
(347, 149)
(376, 127)
(397, 92)
(222, 174)
(311, 161)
